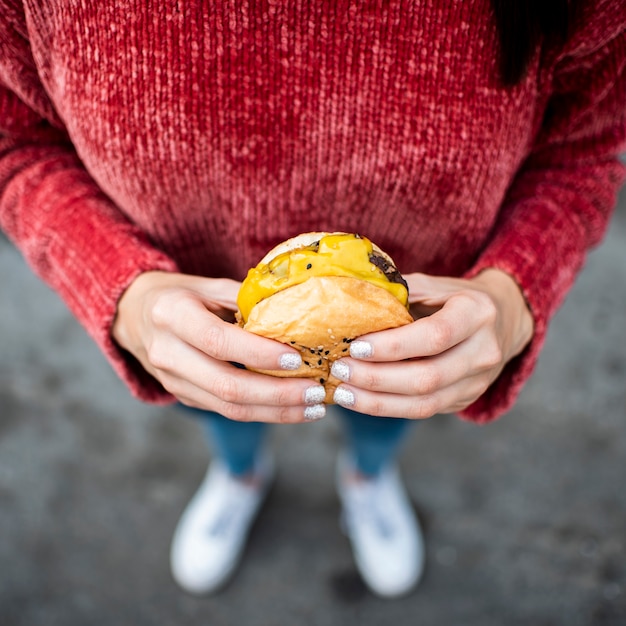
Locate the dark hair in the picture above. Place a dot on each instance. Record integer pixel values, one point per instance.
(522, 24)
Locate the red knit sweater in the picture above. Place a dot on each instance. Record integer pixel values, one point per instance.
(194, 136)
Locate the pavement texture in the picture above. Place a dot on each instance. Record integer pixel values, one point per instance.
(525, 519)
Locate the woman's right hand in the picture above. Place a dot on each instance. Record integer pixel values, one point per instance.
(180, 329)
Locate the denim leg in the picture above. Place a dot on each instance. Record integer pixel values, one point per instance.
(237, 444)
(373, 441)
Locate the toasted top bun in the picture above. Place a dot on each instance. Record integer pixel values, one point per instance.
(322, 315)
(299, 241)
(306, 239)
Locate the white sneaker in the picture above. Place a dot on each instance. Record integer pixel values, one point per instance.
(212, 531)
(383, 530)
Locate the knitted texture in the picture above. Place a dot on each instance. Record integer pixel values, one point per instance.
(194, 136)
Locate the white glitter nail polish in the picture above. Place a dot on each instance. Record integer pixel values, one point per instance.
(341, 371)
(361, 349)
(315, 412)
(343, 396)
(290, 361)
(314, 395)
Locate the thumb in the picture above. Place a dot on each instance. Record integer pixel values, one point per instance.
(432, 291)
(220, 292)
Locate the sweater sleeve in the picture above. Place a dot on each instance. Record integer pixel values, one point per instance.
(69, 232)
(560, 203)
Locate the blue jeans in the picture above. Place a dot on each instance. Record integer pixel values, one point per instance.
(372, 441)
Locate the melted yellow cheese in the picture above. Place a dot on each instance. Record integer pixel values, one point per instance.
(336, 255)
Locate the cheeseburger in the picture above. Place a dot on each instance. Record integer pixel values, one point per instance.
(317, 292)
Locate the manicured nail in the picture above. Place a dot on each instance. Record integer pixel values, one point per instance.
(361, 349)
(315, 412)
(314, 395)
(341, 371)
(343, 396)
(290, 361)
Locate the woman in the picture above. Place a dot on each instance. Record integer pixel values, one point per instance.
(151, 155)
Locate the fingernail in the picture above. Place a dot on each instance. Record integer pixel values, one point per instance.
(341, 371)
(290, 361)
(344, 397)
(361, 349)
(315, 412)
(314, 395)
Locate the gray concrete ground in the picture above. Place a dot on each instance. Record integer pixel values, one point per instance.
(525, 519)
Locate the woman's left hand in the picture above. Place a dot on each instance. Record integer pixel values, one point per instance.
(442, 362)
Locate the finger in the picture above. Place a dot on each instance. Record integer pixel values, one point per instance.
(459, 318)
(255, 413)
(426, 375)
(181, 367)
(187, 318)
(419, 377)
(449, 399)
